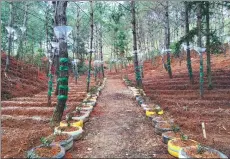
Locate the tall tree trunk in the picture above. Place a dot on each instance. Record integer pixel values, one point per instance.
(208, 47)
(102, 65)
(199, 27)
(167, 40)
(10, 37)
(61, 19)
(137, 69)
(189, 66)
(50, 64)
(33, 47)
(78, 39)
(56, 55)
(20, 48)
(91, 45)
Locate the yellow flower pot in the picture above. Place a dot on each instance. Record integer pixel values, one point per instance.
(74, 124)
(149, 113)
(160, 112)
(175, 149)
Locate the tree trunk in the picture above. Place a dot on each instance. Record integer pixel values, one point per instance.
(10, 37)
(199, 18)
(50, 64)
(60, 18)
(91, 45)
(208, 47)
(20, 48)
(137, 69)
(57, 71)
(102, 65)
(167, 40)
(189, 66)
(56, 55)
(78, 38)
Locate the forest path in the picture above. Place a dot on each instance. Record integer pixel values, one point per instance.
(118, 128)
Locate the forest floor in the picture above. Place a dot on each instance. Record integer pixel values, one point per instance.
(118, 128)
(181, 99)
(24, 120)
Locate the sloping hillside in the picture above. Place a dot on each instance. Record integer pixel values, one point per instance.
(21, 80)
(181, 99)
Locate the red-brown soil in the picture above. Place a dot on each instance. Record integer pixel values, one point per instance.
(205, 154)
(58, 137)
(182, 99)
(21, 79)
(25, 117)
(118, 128)
(47, 152)
(68, 128)
(185, 143)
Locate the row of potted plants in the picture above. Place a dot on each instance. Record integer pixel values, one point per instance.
(179, 144)
(70, 129)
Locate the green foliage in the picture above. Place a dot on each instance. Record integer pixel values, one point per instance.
(93, 89)
(184, 137)
(46, 142)
(82, 68)
(200, 149)
(38, 57)
(177, 45)
(78, 109)
(174, 47)
(175, 128)
(215, 44)
(128, 81)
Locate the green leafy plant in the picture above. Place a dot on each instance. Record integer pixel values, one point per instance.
(69, 117)
(175, 128)
(46, 141)
(200, 149)
(79, 109)
(183, 137)
(93, 90)
(157, 109)
(32, 154)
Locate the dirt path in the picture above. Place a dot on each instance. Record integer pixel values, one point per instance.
(118, 128)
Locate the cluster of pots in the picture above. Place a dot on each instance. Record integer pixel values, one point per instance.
(70, 130)
(179, 145)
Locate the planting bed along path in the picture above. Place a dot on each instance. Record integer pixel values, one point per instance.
(118, 127)
(181, 99)
(25, 120)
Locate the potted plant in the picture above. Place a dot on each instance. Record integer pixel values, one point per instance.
(200, 151)
(162, 127)
(93, 90)
(71, 122)
(65, 140)
(92, 100)
(175, 133)
(90, 103)
(84, 106)
(75, 131)
(46, 150)
(151, 111)
(175, 145)
(158, 119)
(79, 114)
(140, 100)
